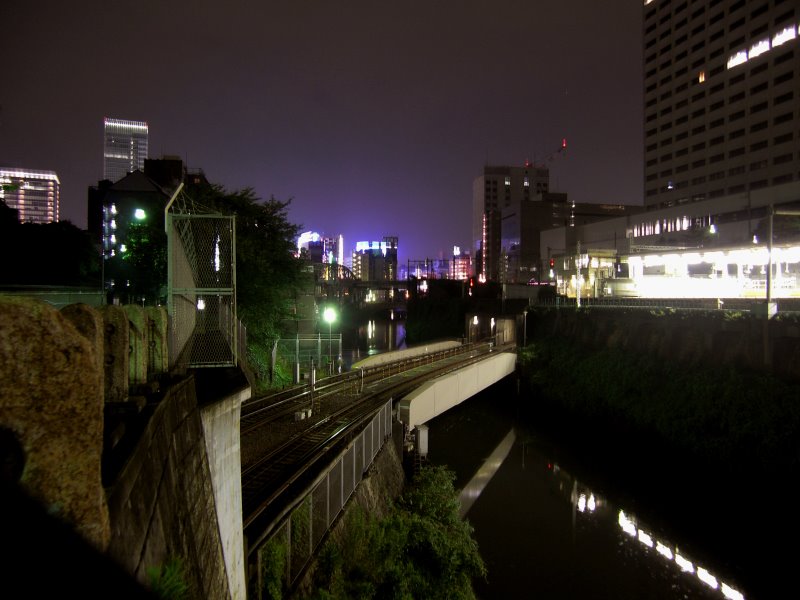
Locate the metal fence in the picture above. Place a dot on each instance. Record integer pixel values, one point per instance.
(201, 278)
(305, 526)
(723, 304)
(321, 348)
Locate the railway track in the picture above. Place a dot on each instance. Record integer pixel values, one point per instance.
(339, 410)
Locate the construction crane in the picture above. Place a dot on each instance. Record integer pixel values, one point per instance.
(562, 149)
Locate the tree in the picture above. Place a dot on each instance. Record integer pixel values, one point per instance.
(423, 549)
(46, 254)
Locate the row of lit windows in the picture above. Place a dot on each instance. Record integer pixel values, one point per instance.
(733, 100)
(714, 141)
(735, 189)
(699, 44)
(754, 166)
(661, 8)
(703, 25)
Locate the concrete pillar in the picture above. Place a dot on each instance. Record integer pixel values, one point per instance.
(157, 344)
(137, 358)
(422, 440)
(116, 352)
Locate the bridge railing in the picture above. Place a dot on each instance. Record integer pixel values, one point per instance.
(302, 528)
(737, 304)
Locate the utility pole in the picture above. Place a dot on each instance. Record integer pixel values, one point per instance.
(578, 276)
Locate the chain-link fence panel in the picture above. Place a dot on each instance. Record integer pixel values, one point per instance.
(204, 330)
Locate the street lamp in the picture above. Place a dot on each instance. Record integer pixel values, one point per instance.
(524, 327)
(330, 316)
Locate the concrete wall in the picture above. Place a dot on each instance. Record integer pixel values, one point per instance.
(395, 355)
(178, 491)
(162, 505)
(221, 428)
(443, 393)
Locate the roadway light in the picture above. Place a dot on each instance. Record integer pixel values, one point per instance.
(329, 316)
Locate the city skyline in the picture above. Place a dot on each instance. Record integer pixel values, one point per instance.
(375, 121)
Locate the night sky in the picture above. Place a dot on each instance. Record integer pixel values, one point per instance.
(374, 117)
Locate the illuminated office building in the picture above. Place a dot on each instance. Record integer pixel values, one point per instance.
(494, 192)
(124, 147)
(34, 194)
(321, 249)
(511, 207)
(721, 98)
(376, 261)
(461, 268)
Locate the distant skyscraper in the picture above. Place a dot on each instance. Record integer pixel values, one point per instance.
(124, 147)
(494, 194)
(33, 194)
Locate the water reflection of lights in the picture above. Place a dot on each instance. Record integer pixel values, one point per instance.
(630, 527)
(586, 503)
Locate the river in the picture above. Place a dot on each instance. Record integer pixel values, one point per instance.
(569, 513)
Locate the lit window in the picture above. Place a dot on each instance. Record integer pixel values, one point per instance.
(737, 59)
(701, 77)
(526, 182)
(785, 35)
(758, 48)
(508, 181)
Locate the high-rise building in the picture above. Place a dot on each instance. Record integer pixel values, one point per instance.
(376, 261)
(493, 194)
(511, 207)
(34, 194)
(124, 147)
(721, 98)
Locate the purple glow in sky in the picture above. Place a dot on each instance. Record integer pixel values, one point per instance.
(374, 117)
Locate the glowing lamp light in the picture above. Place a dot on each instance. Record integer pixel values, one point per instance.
(626, 524)
(707, 578)
(663, 550)
(731, 593)
(201, 304)
(685, 565)
(645, 539)
(139, 214)
(475, 320)
(329, 315)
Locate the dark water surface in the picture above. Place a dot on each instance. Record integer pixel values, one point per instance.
(568, 514)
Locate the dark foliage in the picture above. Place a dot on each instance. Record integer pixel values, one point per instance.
(423, 549)
(46, 254)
